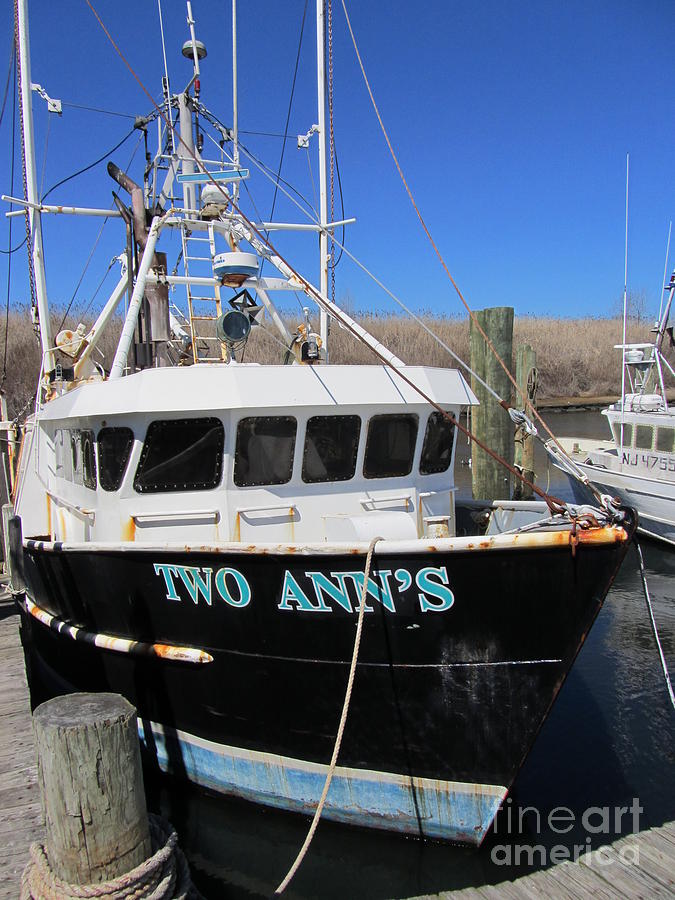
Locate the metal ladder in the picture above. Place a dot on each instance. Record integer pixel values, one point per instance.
(191, 243)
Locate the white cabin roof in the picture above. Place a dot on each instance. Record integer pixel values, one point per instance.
(195, 389)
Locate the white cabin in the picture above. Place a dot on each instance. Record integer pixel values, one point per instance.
(334, 453)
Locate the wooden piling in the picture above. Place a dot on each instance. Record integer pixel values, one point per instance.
(526, 376)
(89, 771)
(490, 422)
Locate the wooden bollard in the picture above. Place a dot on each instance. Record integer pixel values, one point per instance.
(526, 376)
(91, 784)
(490, 422)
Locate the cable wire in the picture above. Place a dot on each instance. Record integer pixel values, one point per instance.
(425, 228)
(290, 106)
(90, 166)
(9, 236)
(12, 58)
(96, 109)
(556, 505)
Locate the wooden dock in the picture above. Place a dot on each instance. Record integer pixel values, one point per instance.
(638, 865)
(20, 811)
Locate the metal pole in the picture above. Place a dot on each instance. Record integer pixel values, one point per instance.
(186, 149)
(31, 179)
(99, 325)
(323, 197)
(625, 314)
(127, 335)
(235, 106)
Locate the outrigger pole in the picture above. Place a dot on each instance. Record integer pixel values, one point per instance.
(34, 215)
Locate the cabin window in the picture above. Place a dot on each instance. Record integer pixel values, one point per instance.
(437, 447)
(331, 444)
(181, 455)
(265, 450)
(82, 457)
(88, 459)
(664, 439)
(75, 456)
(114, 449)
(390, 446)
(63, 454)
(627, 435)
(644, 437)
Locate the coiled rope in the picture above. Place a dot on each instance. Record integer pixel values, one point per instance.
(341, 727)
(163, 876)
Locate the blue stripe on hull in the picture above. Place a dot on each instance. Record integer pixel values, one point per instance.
(446, 810)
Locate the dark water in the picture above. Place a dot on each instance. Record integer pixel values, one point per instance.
(608, 744)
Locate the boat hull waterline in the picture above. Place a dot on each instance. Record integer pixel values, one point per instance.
(463, 652)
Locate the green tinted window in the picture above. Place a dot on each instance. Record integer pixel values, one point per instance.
(664, 439)
(644, 437)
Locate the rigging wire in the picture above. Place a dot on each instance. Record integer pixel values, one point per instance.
(290, 105)
(334, 264)
(556, 505)
(390, 293)
(91, 254)
(331, 144)
(96, 109)
(12, 58)
(662, 658)
(90, 166)
(44, 155)
(528, 405)
(9, 236)
(215, 121)
(161, 29)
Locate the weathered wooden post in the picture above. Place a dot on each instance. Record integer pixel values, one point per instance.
(526, 376)
(490, 421)
(89, 770)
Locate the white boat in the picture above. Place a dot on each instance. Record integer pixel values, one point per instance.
(195, 532)
(637, 463)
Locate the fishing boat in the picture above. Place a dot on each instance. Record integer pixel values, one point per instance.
(637, 463)
(202, 534)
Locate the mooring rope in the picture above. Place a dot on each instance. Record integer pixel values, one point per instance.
(341, 727)
(664, 664)
(163, 876)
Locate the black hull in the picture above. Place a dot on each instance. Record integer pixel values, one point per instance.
(455, 694)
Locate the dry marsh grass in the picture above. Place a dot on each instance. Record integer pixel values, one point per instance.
(575, 356)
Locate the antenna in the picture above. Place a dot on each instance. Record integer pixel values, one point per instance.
(665, 271)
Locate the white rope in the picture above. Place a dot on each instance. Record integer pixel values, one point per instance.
(343, 720)
(163, 876)
(664, 665)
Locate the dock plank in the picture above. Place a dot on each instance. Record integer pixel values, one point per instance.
(605, 873)
(21, 820)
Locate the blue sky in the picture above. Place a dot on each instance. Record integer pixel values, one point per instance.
(511, 120)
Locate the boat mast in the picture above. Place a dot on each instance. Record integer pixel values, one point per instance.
(33, 198)
(323, 197)
(235, 104)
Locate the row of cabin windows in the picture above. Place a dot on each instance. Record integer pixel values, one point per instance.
(647, 437)
(187, 454)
